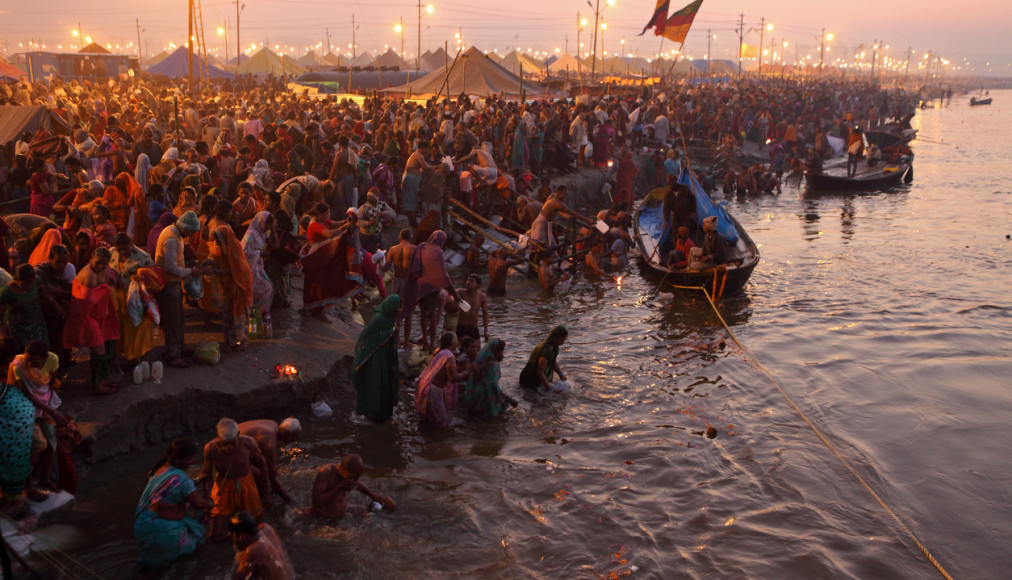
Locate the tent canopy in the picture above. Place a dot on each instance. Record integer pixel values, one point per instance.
(10, 72)
(474, 74)
(267, 62)
(15, 120)
(566, 61)
(513, 60)
(156, 59)
(363, 60)
(175, 66)
(335, 59)
(391, 59)
(94, 48)
(312, 60)
(433, 60)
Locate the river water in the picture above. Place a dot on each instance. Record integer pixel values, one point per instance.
(885, 316)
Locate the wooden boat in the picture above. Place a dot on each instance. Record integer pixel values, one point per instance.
(974, 101)
(723, 280)
(883, 174)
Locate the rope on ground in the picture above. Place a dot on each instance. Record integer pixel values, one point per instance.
(846, 463)
(52, 555)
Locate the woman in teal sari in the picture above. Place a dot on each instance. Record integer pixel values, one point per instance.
(165, 524)
(483, 396)
(375, 376)
(17, 422)
(542, 366)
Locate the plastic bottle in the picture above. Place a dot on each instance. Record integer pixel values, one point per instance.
(145, 370)
(138, 375)
(157, 371)
(377, 506)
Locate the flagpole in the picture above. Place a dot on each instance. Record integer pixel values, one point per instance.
(677, 56)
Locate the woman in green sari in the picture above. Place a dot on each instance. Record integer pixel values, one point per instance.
(542, 366)
(167, 522)
(375, 375)
(483, 396)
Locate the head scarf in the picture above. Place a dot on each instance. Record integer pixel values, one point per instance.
(143, 171)
(256, 235)
(187, 202)
(239, 292)
(49, 239)
(483, 396)
(379, 330)
(166, 220)
(547, 350)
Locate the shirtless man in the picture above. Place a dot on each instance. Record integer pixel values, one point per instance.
(467, 324)
(235, 490)
(412, 181)
(485, 168)
(550, 274)
(335, 481)
(596, 257)
(499, 263)
(267, 434)
(399, 258)
(541, 229)
(259, 553)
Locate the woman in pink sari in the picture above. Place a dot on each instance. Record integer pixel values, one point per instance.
(436, 397)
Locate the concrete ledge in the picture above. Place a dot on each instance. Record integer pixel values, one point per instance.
(240, 386)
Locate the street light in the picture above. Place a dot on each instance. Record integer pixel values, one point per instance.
(428, 10)
(604, 26)
(399, 29)
(597, 17)
(822, 47)
(223, 33)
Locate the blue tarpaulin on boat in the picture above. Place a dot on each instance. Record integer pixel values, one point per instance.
(706, 207)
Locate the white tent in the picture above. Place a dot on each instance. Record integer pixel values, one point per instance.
(266, 62)
(514, 60)
(364, 59)
(391, 59)
(313, 61)
(474, 74)
(564, 62)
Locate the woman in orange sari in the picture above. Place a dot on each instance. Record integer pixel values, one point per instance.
(137, 223)
(237, 286)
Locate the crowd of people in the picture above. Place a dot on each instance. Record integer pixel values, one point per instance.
(216, 199)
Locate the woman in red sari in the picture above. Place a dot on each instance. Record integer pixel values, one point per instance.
(331, 263)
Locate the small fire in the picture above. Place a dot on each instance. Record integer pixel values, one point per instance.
(287, 370)
(618, 281)
(611, 163)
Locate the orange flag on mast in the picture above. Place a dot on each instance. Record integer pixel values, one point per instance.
(658, 19)
(677, 26)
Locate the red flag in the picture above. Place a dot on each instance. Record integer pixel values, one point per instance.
(677, 26)
(658, 19)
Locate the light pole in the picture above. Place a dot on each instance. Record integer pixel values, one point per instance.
(399, 29)
(428, 10)
(763, 27)
(580, 23)
(709, 37)
(822, 47)
(604, 26)
(238, 49)
(223, 32)
(597, 17)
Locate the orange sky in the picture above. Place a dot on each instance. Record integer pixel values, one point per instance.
(975, 29)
